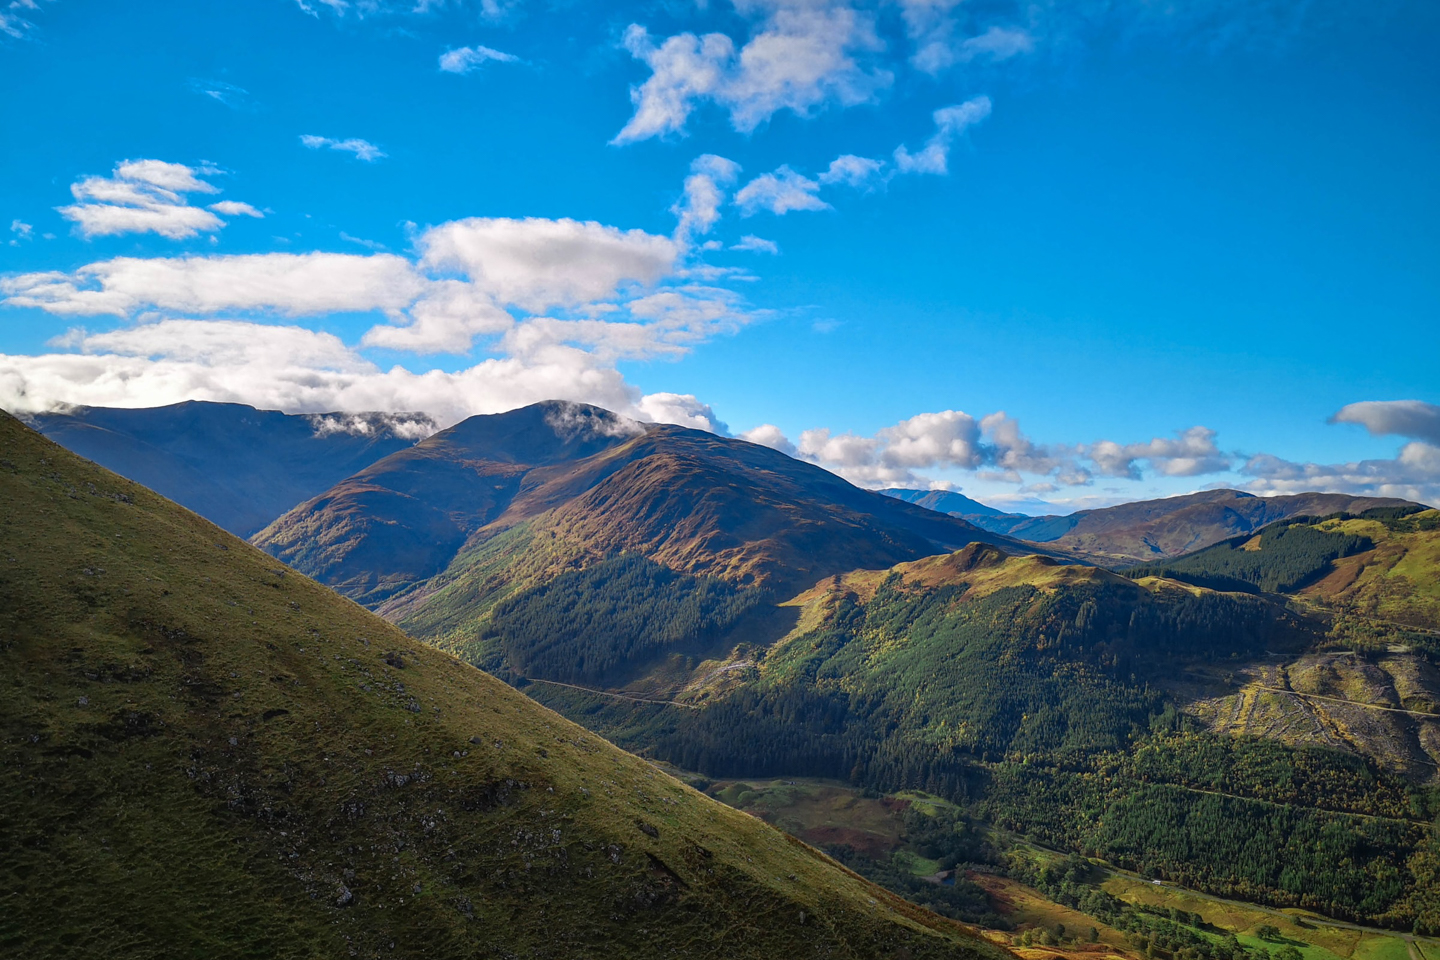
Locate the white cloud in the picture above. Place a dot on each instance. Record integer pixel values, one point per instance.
(466, 59)
(753, 244)
(779, 192)
(997, 43)
(536, 264)
(994, 448)
(302, 371)
(22, 231)
(801, 55)
(682, 409)
(1191, 453)
(286, 283)
(698, 208)
(950, 122)
(852, 171)
(13, 23)
(769, 435)
(145, 196)
(234, 208)
(1414, 474)
(1404, 418)
(363, 149)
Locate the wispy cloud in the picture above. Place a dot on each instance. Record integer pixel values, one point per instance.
(22, 231)
(753, 244)
(950, 123)
(363, 149)
(148, 196)
(466, 59)
(228, 94)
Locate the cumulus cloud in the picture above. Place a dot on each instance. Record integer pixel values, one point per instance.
(536, 264)
(698, 209)
(1414, 474)
(146, 196)
(994, 448)
(769, 435)
(303, 371)
(950, 123)
(1190, 454)
(682, 409)
(779, 192)
(558, 302)
(363, 149)
(465, 59)
(1401, 418)
(801, 55)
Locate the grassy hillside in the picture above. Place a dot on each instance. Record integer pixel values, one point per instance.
(237, 466)
(204, 754)
(1032, 692)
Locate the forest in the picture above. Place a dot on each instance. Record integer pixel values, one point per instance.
(586, 625)
(1035, 710)
(1288, 555)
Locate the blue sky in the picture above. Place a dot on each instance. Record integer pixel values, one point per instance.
(1079, 252)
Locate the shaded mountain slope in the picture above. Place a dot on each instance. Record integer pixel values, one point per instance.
(585, 485)
(204, 754)
(955, 504)
(1154, 529)
(235, 465)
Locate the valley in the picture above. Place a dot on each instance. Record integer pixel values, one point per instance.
(926, 699)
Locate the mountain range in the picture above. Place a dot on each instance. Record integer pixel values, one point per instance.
(203, 753)
(1148, 529)
(1233, 693)
(236, 466)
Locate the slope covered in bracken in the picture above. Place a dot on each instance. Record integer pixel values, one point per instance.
(203, 753)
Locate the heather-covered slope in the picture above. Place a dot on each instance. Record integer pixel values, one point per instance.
(587, 485)
(205, 754)
(234, 465)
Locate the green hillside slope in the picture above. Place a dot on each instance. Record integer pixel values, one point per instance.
(203, 754)
(1034, 694)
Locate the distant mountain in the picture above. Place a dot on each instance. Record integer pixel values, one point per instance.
(580, 484)
(237, 466)
(205, 755)
(1156, 529)
(944, 501)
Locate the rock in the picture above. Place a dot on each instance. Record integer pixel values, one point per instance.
(345, 898)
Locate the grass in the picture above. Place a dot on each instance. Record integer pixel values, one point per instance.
(204, 754)
(1314, 941)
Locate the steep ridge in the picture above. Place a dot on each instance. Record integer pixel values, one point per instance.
(586, 485)
(1155, 529)
(205, 754)
(235, 465)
